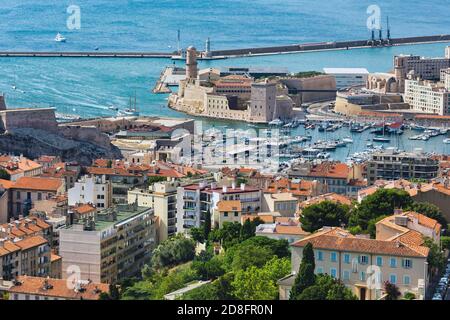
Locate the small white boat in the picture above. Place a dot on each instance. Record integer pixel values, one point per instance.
(114, 108)
(128, 112)
(60, 38)
(347, 140)
(447, 140)
(276, 122)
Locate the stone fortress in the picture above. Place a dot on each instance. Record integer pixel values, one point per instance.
(243, 98)
(35, 131)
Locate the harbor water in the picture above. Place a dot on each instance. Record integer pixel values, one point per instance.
(87, 87)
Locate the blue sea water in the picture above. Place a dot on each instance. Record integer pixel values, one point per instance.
(86, 86)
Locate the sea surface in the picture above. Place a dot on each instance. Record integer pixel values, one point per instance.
(87, 86)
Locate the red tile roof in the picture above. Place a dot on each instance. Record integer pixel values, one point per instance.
(38, 184)
(58, 288)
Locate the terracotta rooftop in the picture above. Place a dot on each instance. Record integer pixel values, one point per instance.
(334, 197)
(7, 184)
(38, 184)
(229, 205)
(330, 170)
(84, 209)
(58, 288)
(340, 240)
(31, 242)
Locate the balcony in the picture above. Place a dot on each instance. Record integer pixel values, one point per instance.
(189, 217)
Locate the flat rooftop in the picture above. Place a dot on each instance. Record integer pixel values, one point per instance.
(345, 71)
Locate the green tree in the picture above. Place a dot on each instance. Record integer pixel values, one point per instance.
(109, 163)
(173, 251)
(208, 266)
(325, 213)
(207, 225)
(4, 174)
(305, 277)
(391, 290)
(382, 202)
(260, 283)
(250, 256)
(409, 296)
(327, 288)
(228, 235)
(445, 241)
(197, 234)
(209, 291)
(436, 258)
(247, 230)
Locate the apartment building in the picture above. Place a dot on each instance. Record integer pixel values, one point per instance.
(284, 203)
(29, 256)
(227, 211)
(363, 265)
(392, 164)
(162, 198)
(95, 190)
(121, 179)
(425, 68)
(27, 190)
(427, 97)
(38, 288)
(337, 177)
(111, 246)
(195, 200)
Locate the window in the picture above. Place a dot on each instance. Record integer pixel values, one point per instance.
(406, 280)
(379, 261)
(319, 270)
(236, 214)
(333, 272)
(393, 263)
(18, 195)
(320, 256)
(393, 279)
(363, 259)
(407, 263)
(362, 276)
(346, 275)
(347, 258)
(333, 257)
(39, 196)
(225, 214)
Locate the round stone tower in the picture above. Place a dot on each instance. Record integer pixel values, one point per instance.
(191, 63)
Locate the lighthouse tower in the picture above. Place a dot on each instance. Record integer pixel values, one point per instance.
(191, 63)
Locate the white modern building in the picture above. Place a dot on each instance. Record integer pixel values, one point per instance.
(348, 77)
(195, 200)
(95, 190)
(427, 97)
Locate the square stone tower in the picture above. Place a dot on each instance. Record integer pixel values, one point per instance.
(263, 101)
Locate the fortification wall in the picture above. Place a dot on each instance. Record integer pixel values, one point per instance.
(42, 118)
(89, 134)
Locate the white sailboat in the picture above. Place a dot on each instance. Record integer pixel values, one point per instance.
(60, 38)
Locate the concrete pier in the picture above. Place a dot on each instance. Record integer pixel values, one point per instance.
(230, 53)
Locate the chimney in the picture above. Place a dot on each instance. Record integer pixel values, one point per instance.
(243, 186)
(224, 189)
(233, 185)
